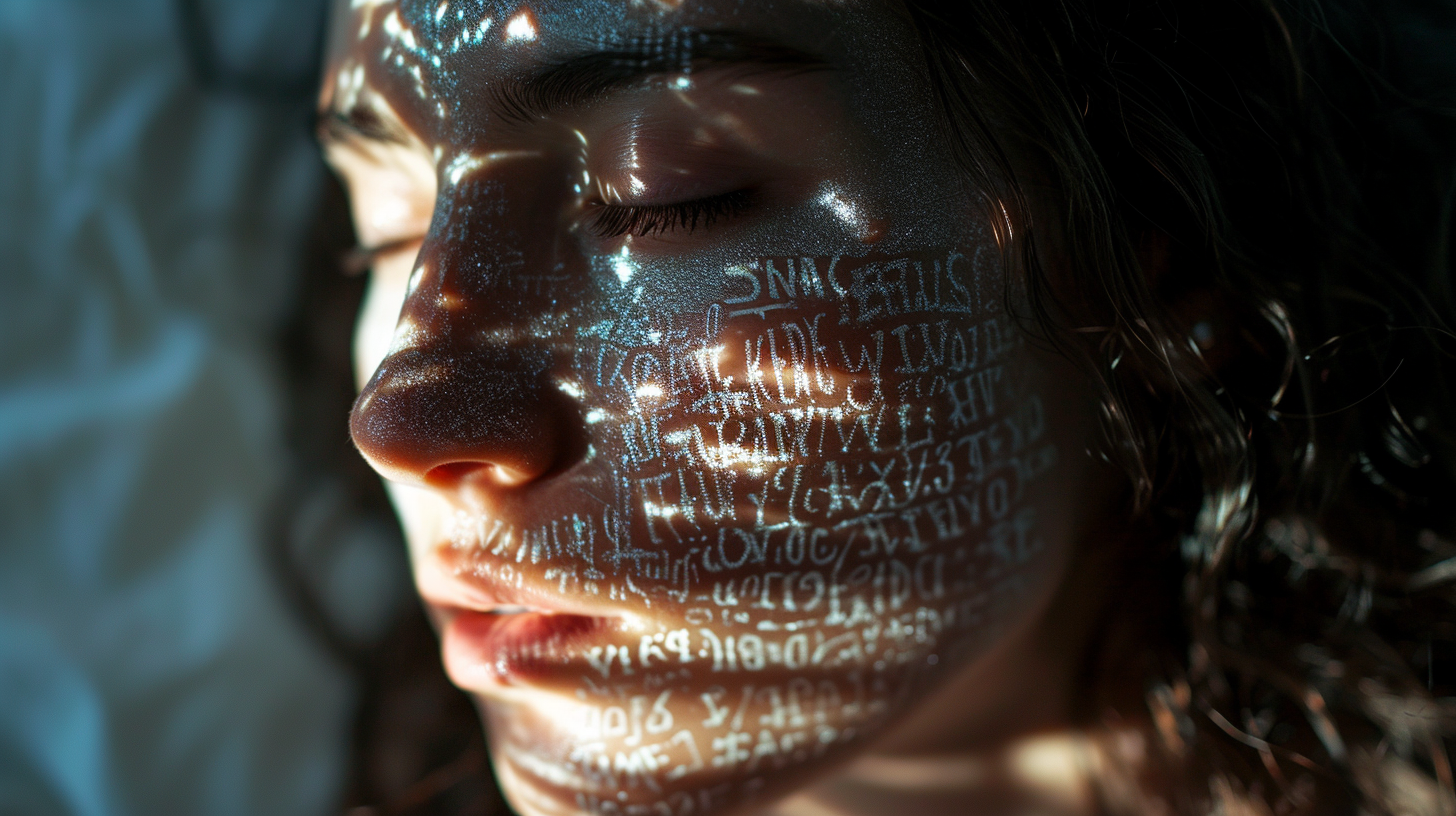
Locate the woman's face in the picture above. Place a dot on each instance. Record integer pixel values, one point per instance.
(689, 362)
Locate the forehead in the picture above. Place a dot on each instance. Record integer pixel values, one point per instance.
(507, 29)
(442, 52)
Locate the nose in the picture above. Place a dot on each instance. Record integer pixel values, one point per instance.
(446, 420)
(465, 397)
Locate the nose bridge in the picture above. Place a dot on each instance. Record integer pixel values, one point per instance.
(463, 391)
(493, 235)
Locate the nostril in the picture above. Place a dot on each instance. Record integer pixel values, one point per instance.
(455, 474)
(451, 473)
(486, 424)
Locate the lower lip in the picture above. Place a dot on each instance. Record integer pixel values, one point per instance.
(484, 651)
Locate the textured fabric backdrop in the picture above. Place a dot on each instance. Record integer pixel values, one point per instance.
(157, 179)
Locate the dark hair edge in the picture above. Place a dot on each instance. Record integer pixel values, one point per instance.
(1258, 165)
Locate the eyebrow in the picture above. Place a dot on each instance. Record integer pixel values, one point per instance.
(574, 81)
(586, 78)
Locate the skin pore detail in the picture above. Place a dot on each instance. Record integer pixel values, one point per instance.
(696, 378)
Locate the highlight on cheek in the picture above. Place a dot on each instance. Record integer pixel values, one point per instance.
(852, 213)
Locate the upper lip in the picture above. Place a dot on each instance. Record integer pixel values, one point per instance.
(442, 585)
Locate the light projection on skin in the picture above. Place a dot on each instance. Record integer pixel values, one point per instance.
(807, 481)
(348, 82)
(843, 208)
(364, 9)
(465, 164)
(462, 165)
(406, 53)
(798, 511)
(623, 265)
(521, 28)
(406, 336)
(418, 274)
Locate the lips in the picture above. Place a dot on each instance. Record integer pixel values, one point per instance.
(486, 651)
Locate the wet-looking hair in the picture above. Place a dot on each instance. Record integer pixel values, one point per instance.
(1251, 207)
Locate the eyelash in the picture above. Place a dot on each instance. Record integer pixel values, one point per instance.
(612, 221)
(615, 220)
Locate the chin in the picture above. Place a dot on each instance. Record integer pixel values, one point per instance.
(543, 771)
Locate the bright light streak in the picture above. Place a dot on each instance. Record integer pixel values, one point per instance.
(521, 28)
(462, 165)
(624, 266)
(844, 210)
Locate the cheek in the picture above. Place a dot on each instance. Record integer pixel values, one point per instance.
(824, 489)
(846, 443)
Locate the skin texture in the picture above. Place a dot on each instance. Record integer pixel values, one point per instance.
(689, 362)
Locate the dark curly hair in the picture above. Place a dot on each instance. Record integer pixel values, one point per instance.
(1251, 203)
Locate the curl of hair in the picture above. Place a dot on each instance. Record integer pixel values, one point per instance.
(1255, 202)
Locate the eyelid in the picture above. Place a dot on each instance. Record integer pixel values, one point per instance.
(613, 220)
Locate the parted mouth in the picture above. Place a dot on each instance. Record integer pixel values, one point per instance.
(516, 610)
(512, 646)
(496, 635)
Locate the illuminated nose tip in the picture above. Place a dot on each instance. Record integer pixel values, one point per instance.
(450, 424)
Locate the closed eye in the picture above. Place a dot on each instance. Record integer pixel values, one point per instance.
(615, 220)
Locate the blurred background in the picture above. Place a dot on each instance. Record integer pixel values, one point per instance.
(199, 579)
